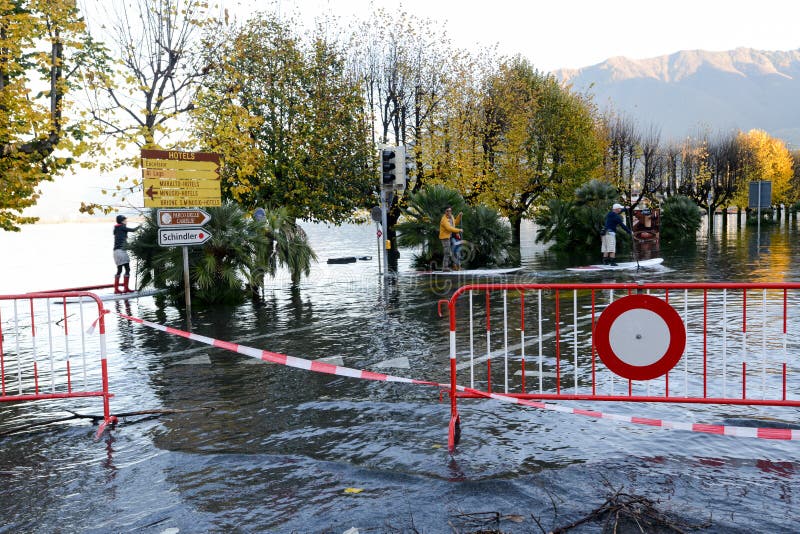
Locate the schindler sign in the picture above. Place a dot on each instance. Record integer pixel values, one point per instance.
(169, 237)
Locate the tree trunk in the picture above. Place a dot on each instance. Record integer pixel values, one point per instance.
(710, 217)
(516, 229)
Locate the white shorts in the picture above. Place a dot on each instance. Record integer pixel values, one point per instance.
(608, 243)
(121, 257)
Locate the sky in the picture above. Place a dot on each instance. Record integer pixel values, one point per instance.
(552, 34)
(556, 34)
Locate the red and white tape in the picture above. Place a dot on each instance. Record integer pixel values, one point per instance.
(725, 430)
(322, 367)
(283, 359)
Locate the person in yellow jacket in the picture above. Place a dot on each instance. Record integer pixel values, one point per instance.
(447, 227)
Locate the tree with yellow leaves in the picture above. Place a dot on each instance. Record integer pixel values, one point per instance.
(770, 160)
(540, 141)
(41, 44)
(288, 121)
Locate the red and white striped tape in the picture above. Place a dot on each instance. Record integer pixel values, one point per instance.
(322, 367)
(726, 430)
(283, 359)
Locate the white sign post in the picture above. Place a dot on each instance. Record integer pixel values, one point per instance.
(172, 237)
(183, 230)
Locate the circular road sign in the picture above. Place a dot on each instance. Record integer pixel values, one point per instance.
(640, 337)
(376, 214)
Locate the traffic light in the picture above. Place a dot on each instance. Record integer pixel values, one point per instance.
(389, 162)
(393, 167)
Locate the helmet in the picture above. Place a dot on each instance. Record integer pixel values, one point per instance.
(121, 219)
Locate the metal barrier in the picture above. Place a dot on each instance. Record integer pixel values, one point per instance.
(712, 343)
(47, 353)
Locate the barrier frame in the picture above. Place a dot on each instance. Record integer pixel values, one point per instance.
(669, 289)
(53, 297)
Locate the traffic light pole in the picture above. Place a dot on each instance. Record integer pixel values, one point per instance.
(385, 199)
(393, 168)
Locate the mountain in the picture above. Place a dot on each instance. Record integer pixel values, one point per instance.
(696, 90)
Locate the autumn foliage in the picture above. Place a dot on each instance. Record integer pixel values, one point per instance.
(41, 46)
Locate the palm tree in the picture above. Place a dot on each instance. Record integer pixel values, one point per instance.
(592, 201)
(555, 223)
(680, 219)
(576, 225)
(420, 222)
(287, 245)
(239, 252)
(487, 237)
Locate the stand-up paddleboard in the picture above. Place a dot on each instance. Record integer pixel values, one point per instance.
(470, 272)
(105, 297)
(652, 262)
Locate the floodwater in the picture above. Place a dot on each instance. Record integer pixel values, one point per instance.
(255, 447)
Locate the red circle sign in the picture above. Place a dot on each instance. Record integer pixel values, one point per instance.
(640, 337)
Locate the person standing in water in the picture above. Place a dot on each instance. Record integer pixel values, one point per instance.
(608, 245)
(121, 257)
(447, 227)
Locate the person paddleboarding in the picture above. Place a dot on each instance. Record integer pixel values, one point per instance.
(608, 234)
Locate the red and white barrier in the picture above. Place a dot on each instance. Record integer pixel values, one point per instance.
(705, 343)
(45, 356)
(322, 367)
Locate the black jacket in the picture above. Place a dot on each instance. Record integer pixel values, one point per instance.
(614, 219)
(121, 235)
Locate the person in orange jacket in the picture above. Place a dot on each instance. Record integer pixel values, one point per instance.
(447, 227)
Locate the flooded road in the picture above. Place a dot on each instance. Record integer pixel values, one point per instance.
(256, 447)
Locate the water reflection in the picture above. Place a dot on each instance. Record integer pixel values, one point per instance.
(276, 447)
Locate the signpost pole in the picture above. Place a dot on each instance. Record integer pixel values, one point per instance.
(758, 227)
(377, 215)
(186, 287)
(378, 238)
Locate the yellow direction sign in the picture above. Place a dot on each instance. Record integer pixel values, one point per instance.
(176, 155)
(180, 202)
(175, 173)
(153, 192)
(177, 164)
(186, 184)
(174, 179)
